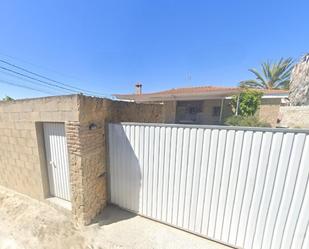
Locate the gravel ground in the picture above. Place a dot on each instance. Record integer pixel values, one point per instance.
(29, 224)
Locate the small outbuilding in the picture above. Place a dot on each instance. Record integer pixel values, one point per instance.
(55, 148)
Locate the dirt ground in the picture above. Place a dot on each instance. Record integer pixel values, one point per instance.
(29, 224)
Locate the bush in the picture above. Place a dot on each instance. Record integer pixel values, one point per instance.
(251, 121)
(7, 98)
(249, 102)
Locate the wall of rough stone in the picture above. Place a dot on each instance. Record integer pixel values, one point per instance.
(269, 111)
(294, 116)
(22, 154)
(22, 164)
(91, 157)
(134, 112)
(299, 85)
(169, 112)
(86, 149)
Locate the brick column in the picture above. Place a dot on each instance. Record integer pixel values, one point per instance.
(76, 171)
(87, 171)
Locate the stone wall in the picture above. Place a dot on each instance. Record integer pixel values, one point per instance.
(299, 85)
(133, 112)
(169, 112)
(92, 156)
(294, 116)
(22, 154)
(269, 111)
(88, 168)
(22, 164)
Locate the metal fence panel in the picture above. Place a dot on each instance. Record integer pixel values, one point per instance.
(245, 187)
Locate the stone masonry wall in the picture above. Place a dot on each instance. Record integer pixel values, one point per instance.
(90, 157)
(89, 181)
(269, 111)
(76, 172)
(133, 112)
(22, 162)
(169, 112)
(22, 154)
(294, 116)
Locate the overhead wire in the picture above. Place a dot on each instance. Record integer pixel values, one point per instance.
(47, 69)
(49, 79)
(29, 77)
(23, 86)
(34, 82)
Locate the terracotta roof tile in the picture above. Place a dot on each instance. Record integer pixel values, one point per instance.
(204, 89)
(191, 91)
(198, 89)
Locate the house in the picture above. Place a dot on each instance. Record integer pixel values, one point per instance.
(205, 104)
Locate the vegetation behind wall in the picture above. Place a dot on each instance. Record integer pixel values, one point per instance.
(244, 107)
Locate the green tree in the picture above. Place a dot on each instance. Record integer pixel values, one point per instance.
(7, 98)
(273, 75)
(247, 102)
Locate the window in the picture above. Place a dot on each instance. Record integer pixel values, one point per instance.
(216, 111)
(193, 109)
(188, 111)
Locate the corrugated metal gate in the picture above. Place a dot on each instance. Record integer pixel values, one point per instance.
(57, 160)
(241, 186)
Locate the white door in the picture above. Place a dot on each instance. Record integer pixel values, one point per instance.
(57, 160)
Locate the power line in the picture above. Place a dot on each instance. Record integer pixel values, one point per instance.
(44, 82)
(23, 86)
(32, 82)
(52, 80)
(40, 66)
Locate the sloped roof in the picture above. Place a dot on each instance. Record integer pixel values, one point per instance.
(198, 89)
(198, 92)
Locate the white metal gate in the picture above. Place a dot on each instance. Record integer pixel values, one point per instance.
(245, 187)
(57, 160)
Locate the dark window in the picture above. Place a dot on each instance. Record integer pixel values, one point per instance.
(193, 109)
(216, 111)
(187, 111)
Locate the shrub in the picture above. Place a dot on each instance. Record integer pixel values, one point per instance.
(7, 98)
(249, 102)
(251, 121)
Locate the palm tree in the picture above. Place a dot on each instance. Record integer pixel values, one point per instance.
(273, 76)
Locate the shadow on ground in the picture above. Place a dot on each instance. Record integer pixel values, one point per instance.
(112, 214)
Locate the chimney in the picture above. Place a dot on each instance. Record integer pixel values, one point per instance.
(138, 88)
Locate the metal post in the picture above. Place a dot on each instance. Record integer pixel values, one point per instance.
(237, 105)
(221, 110)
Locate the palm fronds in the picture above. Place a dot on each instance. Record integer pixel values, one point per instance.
(272, 76)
